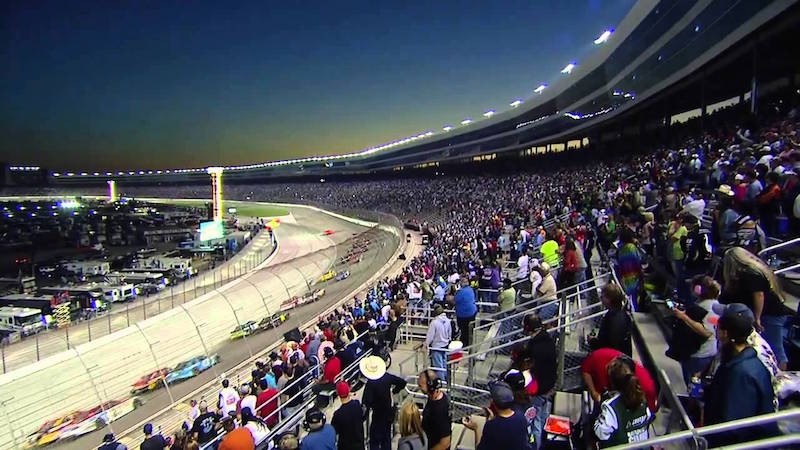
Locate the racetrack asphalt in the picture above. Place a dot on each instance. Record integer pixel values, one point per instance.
(306, 232)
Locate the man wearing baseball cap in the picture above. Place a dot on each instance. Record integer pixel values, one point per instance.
(152, 441)
(348, 420)
(504, 428)
(742, 386)
(110, 443)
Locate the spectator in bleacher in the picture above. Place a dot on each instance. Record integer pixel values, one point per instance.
(267, 404)
(257, 427)
(437, 339)
(595, 369)
(701, 321)
(412, 437)
(616, 324)
(289, 398)
(742, 386)
(248, 399)
(436, 413)
(504, 428)
(205, 426)
(624, 416)
(236, 438)
(110, 443)
(697, 249)
(677, 231)
(749, 281)
(546, 292)
(549, 251)
(348, 420)
(540, 348)
(466, 309)
(321, 435)
(288, 441)
(377, 397)
(332, 367)
(228, 399)
(523, 404)
(629, 261)
(769, 203)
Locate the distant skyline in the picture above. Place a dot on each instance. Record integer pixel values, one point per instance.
(159, 85)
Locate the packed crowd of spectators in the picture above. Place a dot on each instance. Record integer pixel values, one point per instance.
(723, 193)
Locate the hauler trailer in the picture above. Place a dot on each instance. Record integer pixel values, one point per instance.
(27, 321)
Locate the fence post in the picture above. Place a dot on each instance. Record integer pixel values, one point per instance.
(128, 313)
(37, 347)
(108, 315)
(3, 354)
(66, 331)
(88, 329)
(144, 308)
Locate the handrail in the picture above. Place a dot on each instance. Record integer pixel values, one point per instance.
(783, 270)
(509, 344)
(538, 307)
(777, 246)
(562, 290)
(716, 428)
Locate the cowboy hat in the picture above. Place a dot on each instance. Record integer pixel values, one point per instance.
(372, 367)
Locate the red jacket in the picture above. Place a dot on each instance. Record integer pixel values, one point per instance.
(332, 368)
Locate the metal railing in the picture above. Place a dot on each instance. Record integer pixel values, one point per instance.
(697, 435)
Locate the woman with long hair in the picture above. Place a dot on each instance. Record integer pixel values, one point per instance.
(410, 422)
(624, 416)
(257, 427)
(748, 280)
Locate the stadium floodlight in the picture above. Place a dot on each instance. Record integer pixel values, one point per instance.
(603, 37)
(628, 95)
(466, 121)
(488, 113)
(515, 103)
(447, 128)
(616, 93)
(540, 89)
(568, 68)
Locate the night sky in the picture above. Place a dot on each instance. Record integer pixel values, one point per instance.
(165, 84)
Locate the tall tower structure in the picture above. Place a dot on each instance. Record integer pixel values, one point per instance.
(112, 191)
(216, 192)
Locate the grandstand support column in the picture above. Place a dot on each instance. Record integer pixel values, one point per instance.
(216, 192)
(754, 81)
(703, 109)
(112, 191)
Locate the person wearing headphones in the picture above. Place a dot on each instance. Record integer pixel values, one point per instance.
(436, 417)
(540, 349)
(321, 436)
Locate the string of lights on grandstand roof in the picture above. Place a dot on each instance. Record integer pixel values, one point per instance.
(567, 70)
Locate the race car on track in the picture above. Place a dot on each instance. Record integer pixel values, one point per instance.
(296, 301)
(273, 321)
(245, 329)
(78, 423)
(343, 275)
(328, 232)
(150, 382)
(327, 276)
(192, 367)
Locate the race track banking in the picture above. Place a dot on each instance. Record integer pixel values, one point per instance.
(300, 234)
(46, 389)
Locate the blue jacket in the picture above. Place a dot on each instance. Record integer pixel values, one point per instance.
(465, 303)
(742, 387)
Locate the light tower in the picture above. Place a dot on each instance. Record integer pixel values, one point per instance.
(216, 192)
(112, 191)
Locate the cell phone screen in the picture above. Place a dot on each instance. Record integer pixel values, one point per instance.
(670, 304)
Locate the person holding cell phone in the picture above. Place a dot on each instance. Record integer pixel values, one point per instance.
(505, 428)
